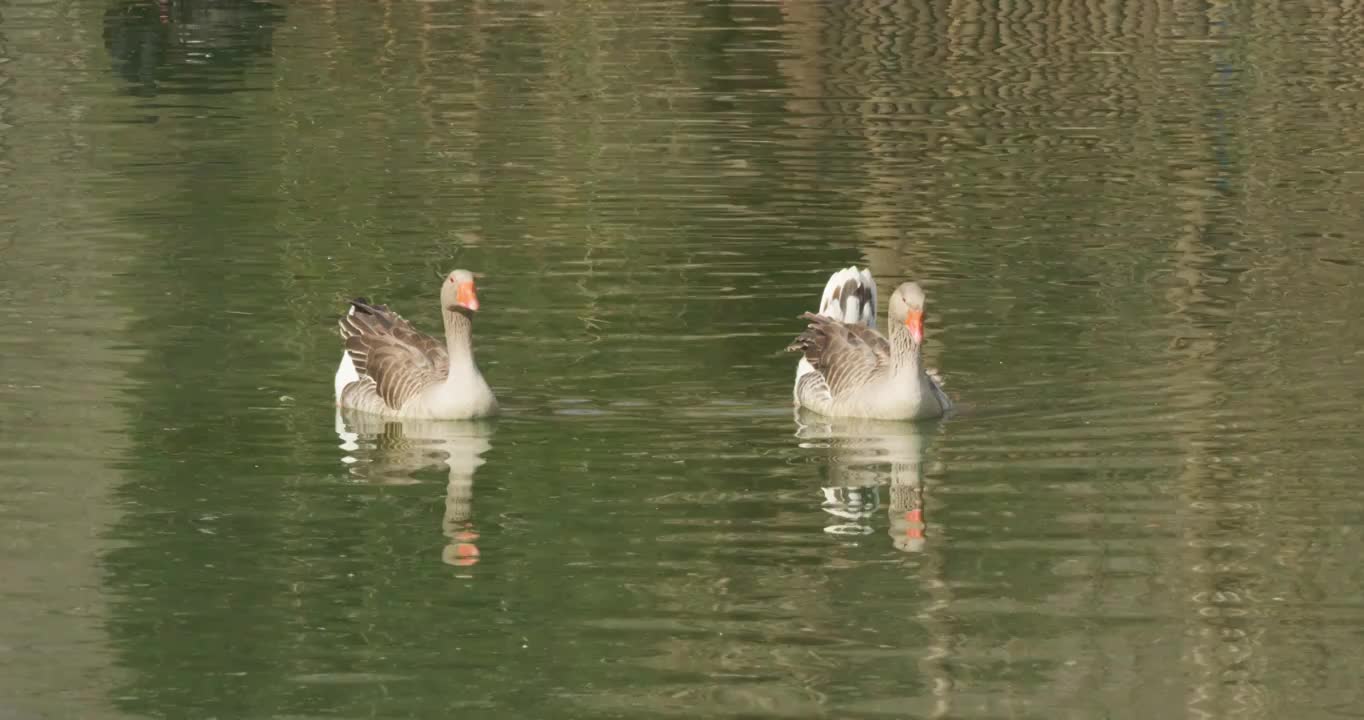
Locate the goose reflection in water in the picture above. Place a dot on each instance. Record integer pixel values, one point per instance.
(862, 456)
(391, 452)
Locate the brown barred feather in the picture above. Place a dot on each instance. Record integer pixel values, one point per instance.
(845, 355)
(385, 348)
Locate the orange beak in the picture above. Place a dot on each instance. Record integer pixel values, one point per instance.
(914, 320)
(464, 295)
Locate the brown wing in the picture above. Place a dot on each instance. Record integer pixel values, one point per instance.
(387, 349)
(847, 355)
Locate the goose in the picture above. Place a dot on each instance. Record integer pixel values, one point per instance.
(848, 369)
(389, 368)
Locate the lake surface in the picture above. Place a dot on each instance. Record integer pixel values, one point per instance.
(1140, 228)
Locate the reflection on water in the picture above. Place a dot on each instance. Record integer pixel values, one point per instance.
(860, 458)
(168, 44)
(392, 451)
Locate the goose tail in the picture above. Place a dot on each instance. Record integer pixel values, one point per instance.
(345, 372)
(850, 297)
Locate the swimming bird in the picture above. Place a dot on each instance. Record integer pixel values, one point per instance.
(848, 369)
(390, 368)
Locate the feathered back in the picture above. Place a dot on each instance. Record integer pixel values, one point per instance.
(846, 355)
(386, 349)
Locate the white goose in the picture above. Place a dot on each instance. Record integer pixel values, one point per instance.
(389, 368)
(848, 369)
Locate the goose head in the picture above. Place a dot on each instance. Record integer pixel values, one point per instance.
(457, 293)
(907, 309)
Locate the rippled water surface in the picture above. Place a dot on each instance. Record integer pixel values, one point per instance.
(1139, 227)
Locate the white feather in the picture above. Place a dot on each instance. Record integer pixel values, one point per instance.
(848, 309)
(345, 374)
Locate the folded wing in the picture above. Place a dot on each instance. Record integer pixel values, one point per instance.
(386, 350)
(847, 356)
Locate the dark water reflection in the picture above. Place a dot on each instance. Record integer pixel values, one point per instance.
(864, 459)
(1137, 225)
(392, 452)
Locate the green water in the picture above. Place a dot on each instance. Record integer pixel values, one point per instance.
(1139, 228)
